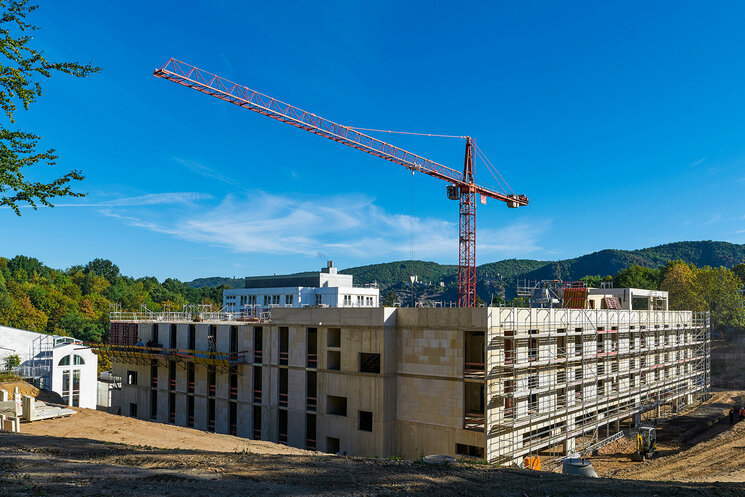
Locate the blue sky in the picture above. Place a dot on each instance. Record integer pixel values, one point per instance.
(621, 121)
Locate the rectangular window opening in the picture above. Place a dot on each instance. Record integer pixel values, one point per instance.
(369, 363)
(336, 405)
(366, 421)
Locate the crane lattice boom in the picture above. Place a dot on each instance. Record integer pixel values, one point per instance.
(465, 188)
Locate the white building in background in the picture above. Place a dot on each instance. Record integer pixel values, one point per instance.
(60, 364)
(325, 289)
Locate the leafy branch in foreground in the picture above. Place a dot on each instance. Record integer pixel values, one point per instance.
(20, 64)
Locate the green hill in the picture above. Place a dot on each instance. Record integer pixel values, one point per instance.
(499, 277)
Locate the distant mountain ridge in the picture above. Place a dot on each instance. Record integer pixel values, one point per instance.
(500, 276)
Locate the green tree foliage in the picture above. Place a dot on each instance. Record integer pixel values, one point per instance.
(19, 73)
(739, 270)
(719, 289)
(102, 267)
(679, 281)
(390, 299)
(12, 361)
(76, 301)
(637, 277)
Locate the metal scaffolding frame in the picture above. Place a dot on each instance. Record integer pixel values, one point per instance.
(555, 377)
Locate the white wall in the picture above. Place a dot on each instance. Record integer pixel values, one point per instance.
(88, 373)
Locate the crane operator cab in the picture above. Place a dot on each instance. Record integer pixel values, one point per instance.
(646, 443)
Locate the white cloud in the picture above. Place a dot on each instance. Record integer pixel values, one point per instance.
(207, 172)
(169, 198)
(339, 225)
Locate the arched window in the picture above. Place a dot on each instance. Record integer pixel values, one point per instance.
(77, 360)
(65, 361)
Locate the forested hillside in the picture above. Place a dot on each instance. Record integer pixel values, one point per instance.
(76, 301)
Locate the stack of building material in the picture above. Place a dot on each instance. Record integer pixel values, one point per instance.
(35, 410)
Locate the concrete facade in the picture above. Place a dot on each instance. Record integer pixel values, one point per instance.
(483, 382)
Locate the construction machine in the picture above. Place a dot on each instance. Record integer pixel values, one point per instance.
(646, 443)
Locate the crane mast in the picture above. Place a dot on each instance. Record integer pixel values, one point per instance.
(461, 185)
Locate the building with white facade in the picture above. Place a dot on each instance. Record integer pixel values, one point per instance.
(57, 363)
(325, 289)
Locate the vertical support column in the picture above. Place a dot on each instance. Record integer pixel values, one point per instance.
(467, 235)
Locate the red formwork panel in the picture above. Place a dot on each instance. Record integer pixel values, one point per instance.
(123, 333)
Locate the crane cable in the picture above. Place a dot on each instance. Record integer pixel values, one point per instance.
(406, 132)
(490, 167)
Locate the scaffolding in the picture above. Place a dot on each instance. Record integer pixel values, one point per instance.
(158, 356)
(556, 377)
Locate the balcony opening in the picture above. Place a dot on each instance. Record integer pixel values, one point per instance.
(282, 426)
(509, 351)
(172, 408)
(190, 377)
(312, 350)
(233, 418)
(190, 411)
(154, 342)
(257, 385)
(283, 374)
(311, 392)
(369, 363)
(233, 339)
(211, 415)
(257, 423)
(233, 394)
(131, 377)
(172, 342)
(172, 375)
(258, 343)
(153, 404)
(154, 373)
(192, 337)
(212, 338)
(336, 405)
(211, 380)
(474, 404)
(474, 354)
(334, 337)
(284, 344)
(310, 431)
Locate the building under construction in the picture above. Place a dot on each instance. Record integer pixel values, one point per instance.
(488, 382)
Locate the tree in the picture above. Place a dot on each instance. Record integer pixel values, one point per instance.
(680, 282)
(104, 268)
(739, 270)
(21, 66)
(12, 361)
(390, 299)
(720, 291)
(637, 277)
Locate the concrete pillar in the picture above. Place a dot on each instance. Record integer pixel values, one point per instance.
(29, 406)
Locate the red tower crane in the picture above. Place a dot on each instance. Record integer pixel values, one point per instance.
(461, 184)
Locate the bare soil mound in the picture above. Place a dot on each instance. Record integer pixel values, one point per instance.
(105, 427)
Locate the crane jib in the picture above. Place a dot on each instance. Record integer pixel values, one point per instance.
(461, 186)
(192, 77)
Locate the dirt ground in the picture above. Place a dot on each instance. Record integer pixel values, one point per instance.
(36, 465)
(104, 427)
(95, 453)
(698, 446)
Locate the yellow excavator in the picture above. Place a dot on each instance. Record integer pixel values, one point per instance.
(646, 443)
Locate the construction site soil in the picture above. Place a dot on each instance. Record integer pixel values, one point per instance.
(95, 453)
